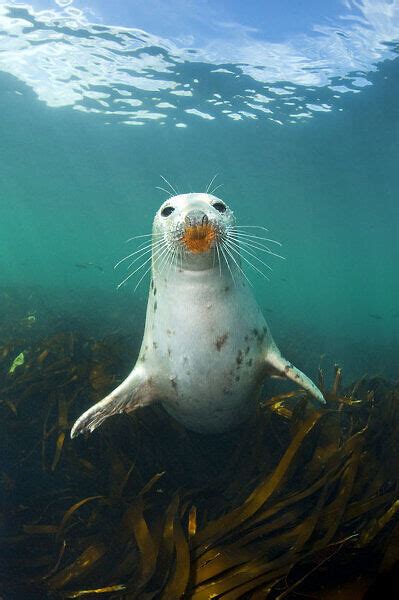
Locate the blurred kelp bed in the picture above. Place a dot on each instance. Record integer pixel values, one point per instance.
(299, 502)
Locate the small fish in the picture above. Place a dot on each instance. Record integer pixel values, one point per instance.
(375, 316)
(87, 265)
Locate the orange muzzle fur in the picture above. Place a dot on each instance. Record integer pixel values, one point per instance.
(199, 238)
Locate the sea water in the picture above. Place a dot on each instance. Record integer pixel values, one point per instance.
(301, 133)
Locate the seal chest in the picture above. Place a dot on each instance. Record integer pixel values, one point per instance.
(206, 347)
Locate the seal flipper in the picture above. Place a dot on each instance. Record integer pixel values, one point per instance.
(278, 366)
(133, 392)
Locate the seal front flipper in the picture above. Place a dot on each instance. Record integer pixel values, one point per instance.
(133, 392)
(278, 366)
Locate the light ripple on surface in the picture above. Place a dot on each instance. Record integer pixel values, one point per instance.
(108, 70)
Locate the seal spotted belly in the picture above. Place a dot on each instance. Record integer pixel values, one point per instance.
(206, 348)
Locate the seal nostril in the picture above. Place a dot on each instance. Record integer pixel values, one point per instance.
(195, 218)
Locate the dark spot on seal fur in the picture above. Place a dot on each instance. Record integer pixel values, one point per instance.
(155, 291)
(240, 358)
(174, 383)
(249, 362)
(259, 335)
(155, 345)
(220, 341)
(226, 289)
(169, 352)
(237, 378)
(152, 284)
(247, 350)
(155, 306)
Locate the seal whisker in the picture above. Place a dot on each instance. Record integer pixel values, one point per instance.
(164, 261)
(257, 246)
(172, 259)
(146, 271)
(218, 253)
(135, 237)
(139, 257)
(164, 256)
(168, 257)
(178, 255)
(132, 254)
(170, 185)
(222, 248)
(254, 267)
(230, 253)
(140, 246)
(168, 260)
(143, 254)
(141, 278)
(241, 249)
(210, 183)
(240, 234)
(135, 271)
(216, 188)
(135, 252)
(159, 249)
(248, 227)
(157, 187)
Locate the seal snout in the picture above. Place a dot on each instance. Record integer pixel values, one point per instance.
(196, 218)
(199, 232)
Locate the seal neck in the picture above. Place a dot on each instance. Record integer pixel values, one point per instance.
(215, 268)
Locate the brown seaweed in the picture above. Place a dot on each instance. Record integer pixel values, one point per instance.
(146, 510)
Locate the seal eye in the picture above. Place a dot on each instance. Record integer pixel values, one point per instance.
(219, 207)
(165, 212)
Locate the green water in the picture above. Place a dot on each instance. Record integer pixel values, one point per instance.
(75, 185)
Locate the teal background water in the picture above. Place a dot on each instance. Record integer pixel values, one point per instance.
(75, 185)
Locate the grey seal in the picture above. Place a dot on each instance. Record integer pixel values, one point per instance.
(207, 348)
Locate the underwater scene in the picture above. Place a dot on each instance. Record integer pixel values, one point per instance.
(234, 167)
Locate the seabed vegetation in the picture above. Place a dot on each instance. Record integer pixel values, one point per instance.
(300, 503)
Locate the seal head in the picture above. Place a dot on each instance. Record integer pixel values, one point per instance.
(207, 348)
(193, 225)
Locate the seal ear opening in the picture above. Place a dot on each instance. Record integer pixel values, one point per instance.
(278, 366)
(135, 391)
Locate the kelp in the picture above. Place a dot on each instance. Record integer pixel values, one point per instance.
(299, 501)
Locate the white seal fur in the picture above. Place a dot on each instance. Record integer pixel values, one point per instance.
(206, 349)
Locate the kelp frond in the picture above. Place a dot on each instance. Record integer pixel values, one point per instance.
(147, 510)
